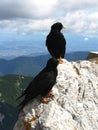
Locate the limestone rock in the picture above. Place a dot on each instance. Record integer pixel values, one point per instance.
(74, 105)
(92, 55)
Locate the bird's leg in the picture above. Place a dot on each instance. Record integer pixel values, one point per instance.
(45, 100)
(60, 60)
(50, 94)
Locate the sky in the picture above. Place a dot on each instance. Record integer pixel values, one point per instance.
(24, 25)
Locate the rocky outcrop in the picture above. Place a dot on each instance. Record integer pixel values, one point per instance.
(92, 55)
(74, 105)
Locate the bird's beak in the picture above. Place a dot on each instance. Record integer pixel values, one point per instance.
(63, 27)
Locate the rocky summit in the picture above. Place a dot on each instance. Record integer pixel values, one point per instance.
(74, 105)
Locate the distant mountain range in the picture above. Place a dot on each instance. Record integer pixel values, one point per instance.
(30, 66)
(11, 87)
(19, 65)
(75, 56)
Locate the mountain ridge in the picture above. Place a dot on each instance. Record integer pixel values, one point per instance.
(28, 65)
(11, 87)
(20, 65)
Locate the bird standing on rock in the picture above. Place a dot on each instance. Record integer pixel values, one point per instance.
(55, 42)
(41, 84)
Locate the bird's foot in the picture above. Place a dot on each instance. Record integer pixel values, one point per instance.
(45, 100)
(60, 60)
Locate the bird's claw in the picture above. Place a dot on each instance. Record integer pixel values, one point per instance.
(45, 100)
(60, 61)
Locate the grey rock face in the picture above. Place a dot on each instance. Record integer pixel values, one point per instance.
(74, 105)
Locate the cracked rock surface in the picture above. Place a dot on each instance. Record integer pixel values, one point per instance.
(74, 105)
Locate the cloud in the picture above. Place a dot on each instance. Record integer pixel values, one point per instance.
(42, 9)
(73, 5)
(27, 8)
(26, 26)
(26, 16)
(86, 39)
(82, 22)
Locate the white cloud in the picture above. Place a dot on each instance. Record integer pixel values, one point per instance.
(82, 22)
(73, 5)
(26, 26)
(86, 39)
(27, 8)
(33, 15)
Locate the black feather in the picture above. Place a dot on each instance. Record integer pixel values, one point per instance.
(55, 41)
(41, 84)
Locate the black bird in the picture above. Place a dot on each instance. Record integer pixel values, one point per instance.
(55, 42)
(41, 84)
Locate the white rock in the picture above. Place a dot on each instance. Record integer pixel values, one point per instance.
(74, 105)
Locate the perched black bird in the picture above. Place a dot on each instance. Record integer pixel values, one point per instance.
(41, 84)
(55, 42)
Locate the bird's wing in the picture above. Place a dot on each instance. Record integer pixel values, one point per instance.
(33, 83)
(60, 38)
(53, 38)
(42, 79)
(40, 86)
(61, 42)
(46, 83)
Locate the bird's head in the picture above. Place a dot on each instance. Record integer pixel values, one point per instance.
(52, 63)
(57, 26)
